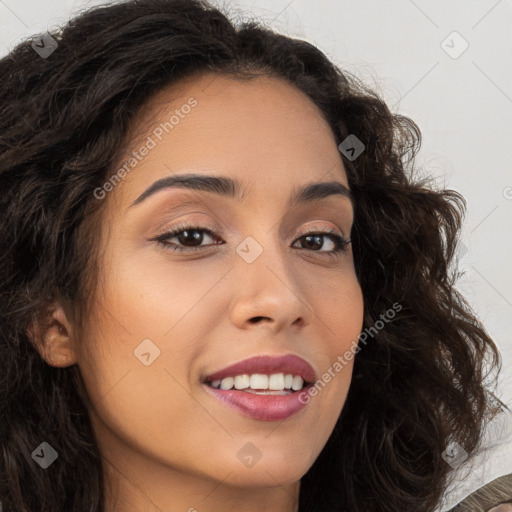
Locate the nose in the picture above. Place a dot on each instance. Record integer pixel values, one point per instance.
(268, 292)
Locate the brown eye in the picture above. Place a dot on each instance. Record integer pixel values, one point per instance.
(188, 238)
(314, 241)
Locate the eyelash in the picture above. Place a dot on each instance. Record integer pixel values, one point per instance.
(340, 242)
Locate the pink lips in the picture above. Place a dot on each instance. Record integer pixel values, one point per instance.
(268, 365)
(264, 407)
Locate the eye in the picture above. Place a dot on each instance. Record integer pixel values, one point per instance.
(314, 239)
(190, 237)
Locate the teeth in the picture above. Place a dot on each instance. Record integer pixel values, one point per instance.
(276, 381)
(226, 383)
(259, 381)
(297, 383)
(242, 381)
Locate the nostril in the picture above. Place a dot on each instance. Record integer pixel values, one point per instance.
(257, 319)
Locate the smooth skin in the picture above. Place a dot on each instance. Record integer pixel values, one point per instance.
(166, 444)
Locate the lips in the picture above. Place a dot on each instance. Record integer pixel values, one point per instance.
(260, 407)
(288, 364)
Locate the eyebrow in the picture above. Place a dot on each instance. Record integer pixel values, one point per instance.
(232, 188)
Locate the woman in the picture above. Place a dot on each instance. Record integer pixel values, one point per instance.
(223, 286)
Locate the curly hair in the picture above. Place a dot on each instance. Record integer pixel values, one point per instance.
(420, 383)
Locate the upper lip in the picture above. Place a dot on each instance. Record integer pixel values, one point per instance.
(266, 364)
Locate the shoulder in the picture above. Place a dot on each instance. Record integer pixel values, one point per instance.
(497, 492)
(483, 480)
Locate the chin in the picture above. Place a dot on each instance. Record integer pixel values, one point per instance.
(263, 476)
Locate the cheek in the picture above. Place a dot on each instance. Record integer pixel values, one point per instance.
(340, 308)
(143, 338)
(138, 379)
(151, 295)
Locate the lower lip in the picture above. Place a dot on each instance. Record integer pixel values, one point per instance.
(260, 407)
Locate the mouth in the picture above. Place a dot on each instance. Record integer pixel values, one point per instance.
(264, 374)
(263, 387)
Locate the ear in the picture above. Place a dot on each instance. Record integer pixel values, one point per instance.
(53, 338)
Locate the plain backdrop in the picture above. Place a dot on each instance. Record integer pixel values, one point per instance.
(444, 63)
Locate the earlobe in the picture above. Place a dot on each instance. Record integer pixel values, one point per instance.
(53, 338)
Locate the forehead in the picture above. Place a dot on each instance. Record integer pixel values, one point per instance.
(264, 132)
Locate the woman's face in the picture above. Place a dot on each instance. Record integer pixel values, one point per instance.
(164, 320)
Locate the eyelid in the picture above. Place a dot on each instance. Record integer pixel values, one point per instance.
(324, 229)
(215, 229)
(186, 224)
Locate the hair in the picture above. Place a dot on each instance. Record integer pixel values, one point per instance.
(418, 384)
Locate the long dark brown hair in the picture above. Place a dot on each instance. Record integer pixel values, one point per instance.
(418, 384)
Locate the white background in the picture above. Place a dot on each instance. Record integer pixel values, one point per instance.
(462, 105)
